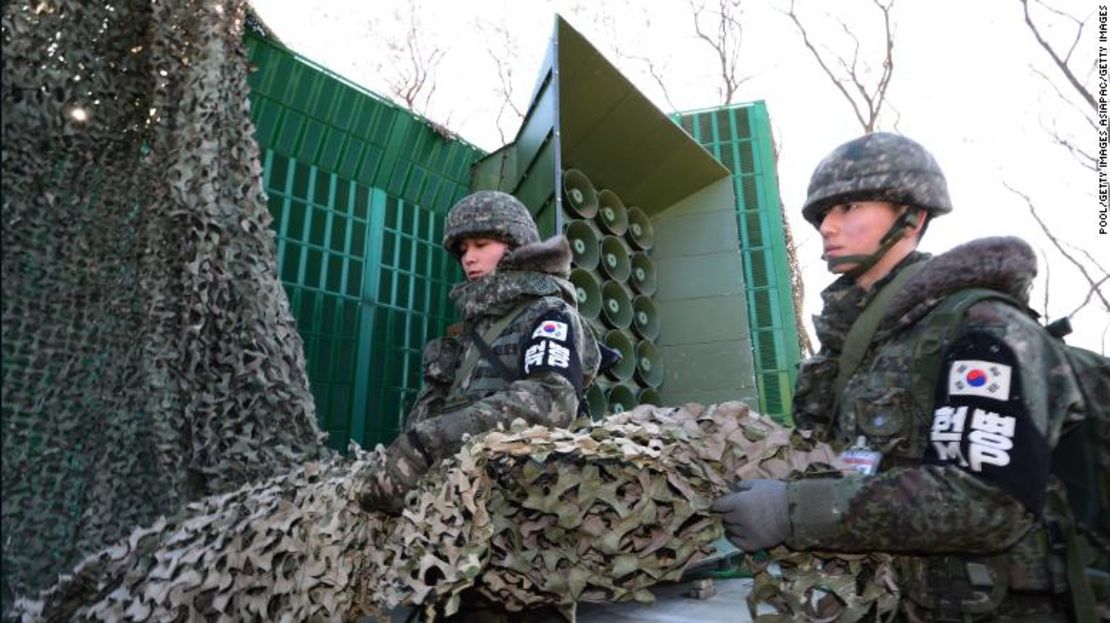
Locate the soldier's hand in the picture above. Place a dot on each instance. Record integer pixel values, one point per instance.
(756, 514)
(403, 466)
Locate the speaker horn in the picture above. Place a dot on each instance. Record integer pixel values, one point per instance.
(649, 364)
(616, 305)
(648, 396)
(596, 402)
(626, 367)
(611, 213)
(642, 276)
(579, 193)
(641, 233)
(587, 290)
(615, 261)
(621, 399)
(585, 244)
(645, 320)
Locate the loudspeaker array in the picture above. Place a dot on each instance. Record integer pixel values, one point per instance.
(615, 280)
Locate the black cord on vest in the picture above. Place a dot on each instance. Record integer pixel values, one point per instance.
(491, 357)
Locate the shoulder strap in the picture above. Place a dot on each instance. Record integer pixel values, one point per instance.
(863, 329)
(491, 357)
(490, 335)
(939, 328)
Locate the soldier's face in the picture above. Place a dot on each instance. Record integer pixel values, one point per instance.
(479, 256)
(855, 228)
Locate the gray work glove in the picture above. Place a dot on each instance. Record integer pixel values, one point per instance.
(756, 514)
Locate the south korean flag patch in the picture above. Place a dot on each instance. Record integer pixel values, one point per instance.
(551, 348)
(981, 423)
(974, 377)
(552, 329)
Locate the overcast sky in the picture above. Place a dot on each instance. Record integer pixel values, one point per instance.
(965, 84)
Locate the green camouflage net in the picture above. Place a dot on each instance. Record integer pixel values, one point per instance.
(149, 354)
(522, 518)
(290, 548)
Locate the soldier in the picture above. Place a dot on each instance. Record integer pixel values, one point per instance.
(524, 351)
(953, 471)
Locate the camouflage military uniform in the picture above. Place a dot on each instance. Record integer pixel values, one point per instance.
(949, 416)
(957, 519)
(545, 355)
(484, 397)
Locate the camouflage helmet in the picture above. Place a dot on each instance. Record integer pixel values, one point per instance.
(878, 167)
(490, 214)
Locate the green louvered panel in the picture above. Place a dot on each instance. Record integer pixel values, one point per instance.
(739, 137)
(321, 223)
(358, 190)
(416, 275)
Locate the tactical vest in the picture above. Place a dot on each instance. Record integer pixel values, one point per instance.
(482, 378)
(474, 377)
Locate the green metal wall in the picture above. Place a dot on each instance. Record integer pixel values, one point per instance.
(358, 189)
(740, 138)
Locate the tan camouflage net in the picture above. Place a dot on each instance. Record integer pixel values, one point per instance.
(150, 359)
(149, 355)
(818, 587)
(523, 518)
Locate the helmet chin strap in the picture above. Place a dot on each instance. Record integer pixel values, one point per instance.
(900, 226)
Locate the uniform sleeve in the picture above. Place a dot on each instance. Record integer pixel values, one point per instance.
(439, 361)
(550, 373)
(1001, 396)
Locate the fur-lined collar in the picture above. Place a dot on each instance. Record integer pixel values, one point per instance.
(533, 270)
(1002, 263)
(551, 257)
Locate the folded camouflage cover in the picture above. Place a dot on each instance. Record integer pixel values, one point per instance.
(523, 518)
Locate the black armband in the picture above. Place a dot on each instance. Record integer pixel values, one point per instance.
(550, 347)
(982, 424)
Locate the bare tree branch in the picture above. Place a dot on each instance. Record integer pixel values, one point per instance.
(726, 42)
(868, 102)
(502, 51)
(1087, 108)
(1095, 287)
(1062, 63)
(897, 118)
(1047, 279)
(1090, 258)
(1087, 116)
(828, 72)
(656, 76)
(413, 77)
(1085, 159)
(1032, 210)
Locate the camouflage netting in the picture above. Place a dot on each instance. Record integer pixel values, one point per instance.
(150, 359)
(523, 518)
(149, 353)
